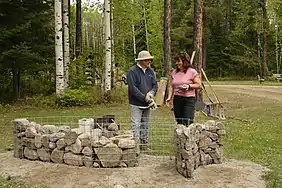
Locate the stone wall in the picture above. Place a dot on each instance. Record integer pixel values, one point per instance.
(196, 145)
(91, 146)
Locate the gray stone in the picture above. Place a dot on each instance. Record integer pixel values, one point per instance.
(30, 153)
(126, 144)
(20, 124)
(101, 142)
(85, 139)
(77, 131)
(123, 164)
(113, 127)
(220, 125)
(76, 147)
(44, 154)
(108, 134)
(45, 140)
(30, 132)
(72, 159)
(18, 148)
(49, 129)
(52, 145)
(211, 135)
(221, 132)
(95, 135)
(22, 134)
(205, 143)
(54, 137)
(96, 165)
(67, 148)
(38, 141)
(87, 161)
(29, 142)
(57, 156)
(87, 151)
(61, 144)
(186, 154)
(109, 157)
(70, 137)
(64, 129)
(129, 157)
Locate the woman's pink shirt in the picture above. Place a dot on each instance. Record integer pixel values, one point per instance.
(179, 78)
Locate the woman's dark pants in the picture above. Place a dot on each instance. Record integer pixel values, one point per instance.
(184, 109)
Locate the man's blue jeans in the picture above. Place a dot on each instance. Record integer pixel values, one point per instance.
(139, 123)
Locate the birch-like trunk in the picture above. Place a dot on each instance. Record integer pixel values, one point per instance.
(114, 75)
(167, 39)
(66, 42)
(133, 34)
(146, 29)
(59, 49)
(276, 49)
(198, 40)
(108, 43)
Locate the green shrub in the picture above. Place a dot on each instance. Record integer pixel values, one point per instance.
(74, 97)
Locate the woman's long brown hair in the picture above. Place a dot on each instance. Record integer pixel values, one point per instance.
(185, 59)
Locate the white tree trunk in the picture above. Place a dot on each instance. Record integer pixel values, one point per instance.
(146, 30)
(112, 52)
(108, 43)
(66, 42)
(59, 49)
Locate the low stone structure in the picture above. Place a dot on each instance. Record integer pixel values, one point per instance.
(196, 145)
(99, 145)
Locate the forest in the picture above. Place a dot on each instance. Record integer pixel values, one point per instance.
(239, 39)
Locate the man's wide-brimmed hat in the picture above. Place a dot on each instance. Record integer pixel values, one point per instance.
(144, 55)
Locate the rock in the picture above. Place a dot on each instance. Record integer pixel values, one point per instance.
(85, 139)
(213, 136)
(96, 165)
(113, 127)
(22, 134)
(20, 124)
(87, 161)
(38, 141)
(72, 159)
(30, 132)
(126, 144)
(18, 148)
(45, 140)
(49, 129)
(30, 153)
(186, 154)
(44, 154)
(87, 151)
(221, 132)
(70, 138)
(108, 134)
(36, 126)
(118, 186)
(76, 147)
(210, 123)
(54, 137)
(220, 125)
(123, 164)
(57, 156)
(205, 143)
(52, 145)
(67, 148)
(95, 135)
(101, 142)
(129, 157)
(61, 144)
(29, 142)
(77, 131)
(64, 129)
(110, 145)
(109, 156)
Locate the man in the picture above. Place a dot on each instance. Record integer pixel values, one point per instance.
(142, 87)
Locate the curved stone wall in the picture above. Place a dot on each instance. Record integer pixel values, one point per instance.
(88, 145)
(197, 145)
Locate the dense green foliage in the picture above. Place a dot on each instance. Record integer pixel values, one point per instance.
(232, 32)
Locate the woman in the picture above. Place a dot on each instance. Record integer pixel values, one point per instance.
(183, 82)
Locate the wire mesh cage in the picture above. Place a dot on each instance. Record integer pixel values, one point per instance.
(106, 141)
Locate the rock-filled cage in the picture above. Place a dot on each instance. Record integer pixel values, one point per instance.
(104, 142)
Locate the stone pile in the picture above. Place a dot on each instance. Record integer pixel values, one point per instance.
(96, 147)
(197, 145)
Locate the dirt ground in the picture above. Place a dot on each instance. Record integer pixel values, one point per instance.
(266, 92)
(152, 172)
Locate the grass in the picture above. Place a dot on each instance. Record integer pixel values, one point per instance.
(258, 140)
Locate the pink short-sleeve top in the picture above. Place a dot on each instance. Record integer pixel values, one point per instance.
(179, 78)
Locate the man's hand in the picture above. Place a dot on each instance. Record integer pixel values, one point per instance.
(149, 96)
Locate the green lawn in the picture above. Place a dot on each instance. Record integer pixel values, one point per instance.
(259, 140)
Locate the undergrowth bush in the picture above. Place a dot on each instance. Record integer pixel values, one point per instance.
(74, 97)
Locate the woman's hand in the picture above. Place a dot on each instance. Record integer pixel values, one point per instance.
(168, 100)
